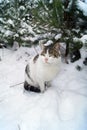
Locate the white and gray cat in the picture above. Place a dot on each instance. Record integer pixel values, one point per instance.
(43, 68)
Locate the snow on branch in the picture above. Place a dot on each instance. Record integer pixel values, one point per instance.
(82, 6)
(37, 38)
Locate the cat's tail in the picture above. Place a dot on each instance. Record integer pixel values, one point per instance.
(29, 87)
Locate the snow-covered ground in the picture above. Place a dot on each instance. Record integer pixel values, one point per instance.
(62, 107)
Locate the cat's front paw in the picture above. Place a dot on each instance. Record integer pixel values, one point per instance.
(42, 90)
(47, 84)
(42, 87)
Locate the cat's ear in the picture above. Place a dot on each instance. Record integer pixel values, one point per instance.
(41, 46)
(57, 46)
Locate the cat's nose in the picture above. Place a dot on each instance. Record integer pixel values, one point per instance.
(46, 59)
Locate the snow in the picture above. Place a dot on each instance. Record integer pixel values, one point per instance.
(49, 42)
(22, 8)
(10, 22)
(28, 27)
(1, 20)
(51, 1)
(58, 36)
(8, 33)
(85, 1)
(84, 39)
(63, 106)
(82, 6)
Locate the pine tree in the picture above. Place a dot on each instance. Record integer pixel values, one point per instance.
(70, 13)
(82, 20)
(15, 20)
(50, 13)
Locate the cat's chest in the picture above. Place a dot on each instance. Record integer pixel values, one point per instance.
(47, 72)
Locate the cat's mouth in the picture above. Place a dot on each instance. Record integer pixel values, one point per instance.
(47, 62)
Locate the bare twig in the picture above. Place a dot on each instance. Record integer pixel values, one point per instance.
(17, 84)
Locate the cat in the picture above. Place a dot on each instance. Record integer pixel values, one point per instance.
(42, 68)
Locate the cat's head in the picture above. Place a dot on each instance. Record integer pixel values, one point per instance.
(50, 54)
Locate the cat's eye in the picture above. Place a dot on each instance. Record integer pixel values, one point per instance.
(51, 55)
(43, 54)
(55, 55)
